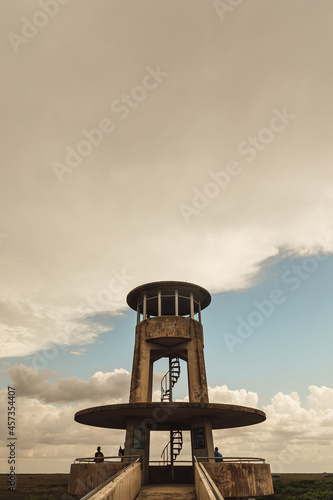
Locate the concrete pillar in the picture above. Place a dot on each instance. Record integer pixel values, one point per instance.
(141, 381)
(197, 381)
(202, 438)
(137, 442)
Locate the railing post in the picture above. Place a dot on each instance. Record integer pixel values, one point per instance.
(170, 378)
(192, 305)
(144, 308)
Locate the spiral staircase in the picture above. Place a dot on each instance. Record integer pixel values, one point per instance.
(174, 446)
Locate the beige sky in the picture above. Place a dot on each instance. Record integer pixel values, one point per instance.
(252, 89)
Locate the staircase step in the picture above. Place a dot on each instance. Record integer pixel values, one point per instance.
(167, 491)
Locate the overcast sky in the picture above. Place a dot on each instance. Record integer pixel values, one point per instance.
(181, 140)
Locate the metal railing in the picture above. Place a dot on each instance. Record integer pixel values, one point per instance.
(170, 379)
(232, 459)
(176, 463)
(112, 478)
(172, 450)
(105, 459)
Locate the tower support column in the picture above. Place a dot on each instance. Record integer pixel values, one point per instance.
(202, 438)
(197, 381)
(137, 442)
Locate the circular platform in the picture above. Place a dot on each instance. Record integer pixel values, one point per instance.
(159, 416)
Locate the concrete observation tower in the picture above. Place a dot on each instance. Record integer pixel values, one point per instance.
(169, 326)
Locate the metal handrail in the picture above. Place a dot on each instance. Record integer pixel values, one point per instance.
(212, 485)
(233, 459)
(110, 479)
(93, 459)
(176, 463)
(165, 452)
(168, 295)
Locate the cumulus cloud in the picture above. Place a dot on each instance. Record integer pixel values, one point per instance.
(26, 327)
(68, 242)
(221, 394)
(294, 438)
(287, 414)
(50, 439)
(320, 398)
(111, 387)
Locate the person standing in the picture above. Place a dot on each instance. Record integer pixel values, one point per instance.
(121, 452)
(99, 457)
(218, 455)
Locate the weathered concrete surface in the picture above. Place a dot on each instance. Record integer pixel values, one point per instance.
(202, 445)
(84, 478)
(241, 479)
(124, 487)
(203, 489)
(169, 331)
(158, 416)
(166, 492)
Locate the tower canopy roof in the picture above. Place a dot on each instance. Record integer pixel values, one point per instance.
(168, 291)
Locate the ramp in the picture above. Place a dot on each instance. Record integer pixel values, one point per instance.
(167, 492)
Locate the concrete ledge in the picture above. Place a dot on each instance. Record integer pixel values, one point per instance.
(84, 478)
(202, 488)
(169, 330)
(241, 479)
(124, 487)
(222, 416)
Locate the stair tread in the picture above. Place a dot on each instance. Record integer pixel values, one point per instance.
(167, 491)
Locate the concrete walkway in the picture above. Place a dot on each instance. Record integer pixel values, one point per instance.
(166, 492)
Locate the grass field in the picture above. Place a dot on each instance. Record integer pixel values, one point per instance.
(35, 487)
(288, 478)
(54, 486)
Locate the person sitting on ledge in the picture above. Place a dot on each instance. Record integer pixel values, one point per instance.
(99, 457)
(218, 454)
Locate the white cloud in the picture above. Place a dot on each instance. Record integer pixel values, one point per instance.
(320, 398)
(26, 327)
(221, 394)
(120, 207)
(293, 438)
(112, 387)
(49, 439)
